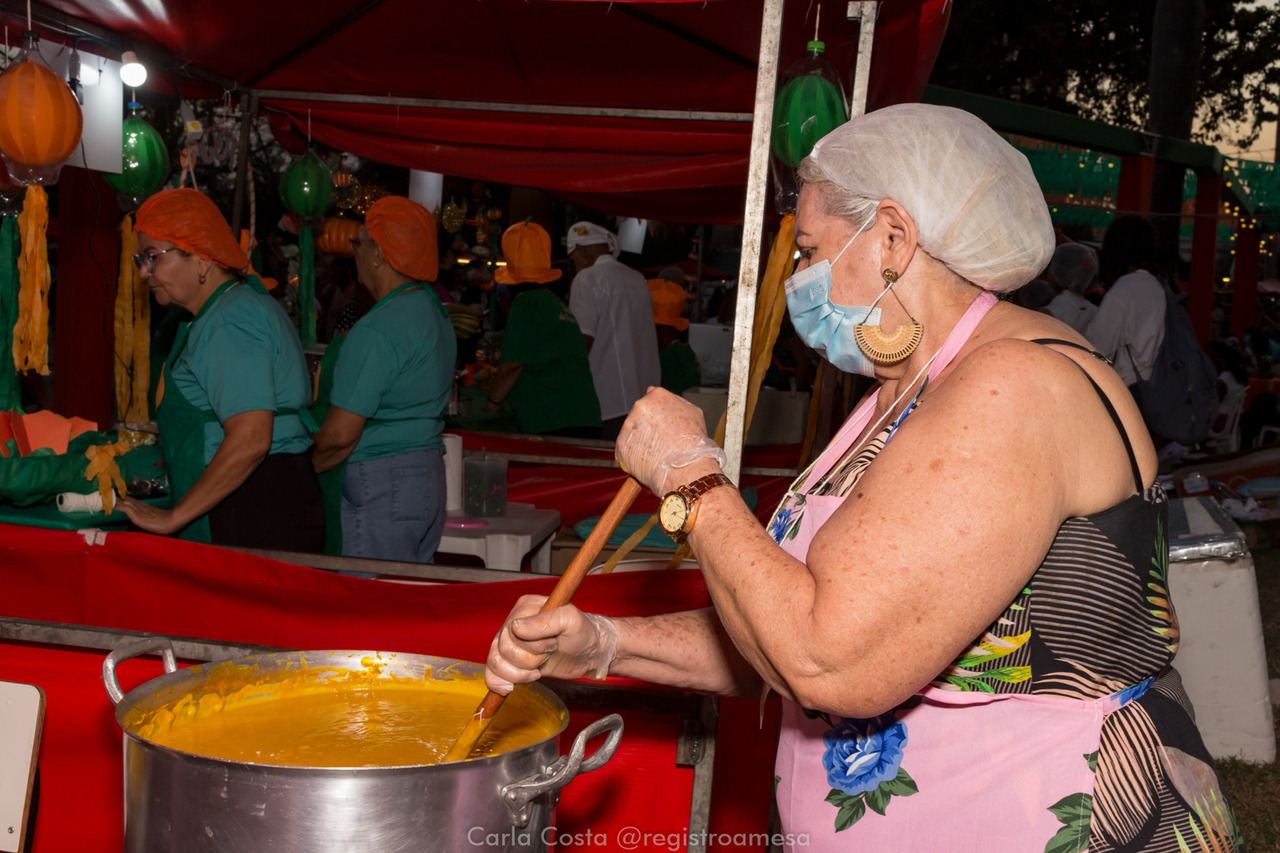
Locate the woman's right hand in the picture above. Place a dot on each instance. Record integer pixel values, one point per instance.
(562, 643)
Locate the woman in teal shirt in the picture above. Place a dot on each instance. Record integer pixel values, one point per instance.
(391, 378)
(231, 395)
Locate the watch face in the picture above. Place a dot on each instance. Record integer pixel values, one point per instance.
(672, 513)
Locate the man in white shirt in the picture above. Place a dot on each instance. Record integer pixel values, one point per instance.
(1129, 325)
(1074, 267)
(615, 311)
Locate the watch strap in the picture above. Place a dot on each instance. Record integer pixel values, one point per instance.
(692, 492)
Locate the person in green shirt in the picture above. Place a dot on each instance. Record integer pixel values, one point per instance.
(544, 376)
(391, 378)
(231, 397)
(679, 363)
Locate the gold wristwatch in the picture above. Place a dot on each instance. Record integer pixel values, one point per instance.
(679, 509)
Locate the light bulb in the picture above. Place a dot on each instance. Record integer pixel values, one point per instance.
(132, 72)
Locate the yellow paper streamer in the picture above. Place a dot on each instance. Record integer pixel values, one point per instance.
(132, 332)
(123, 342)
(31, 332)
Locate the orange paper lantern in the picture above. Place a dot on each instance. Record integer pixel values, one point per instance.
(335, 239)
(40, 120)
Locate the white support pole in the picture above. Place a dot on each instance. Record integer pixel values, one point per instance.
(865, 12)
(752, 237)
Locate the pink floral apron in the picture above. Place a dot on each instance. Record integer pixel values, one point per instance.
(947, 770)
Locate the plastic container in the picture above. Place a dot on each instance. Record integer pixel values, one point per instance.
(484, 491)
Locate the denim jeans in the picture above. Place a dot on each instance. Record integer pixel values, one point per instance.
(393, 507)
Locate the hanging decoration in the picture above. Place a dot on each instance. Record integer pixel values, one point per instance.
(335, 237)
(31, 331)
(809, 105)
(452, 216)
(132, 332)
(41, 118)
(145, 161)
(305, 189)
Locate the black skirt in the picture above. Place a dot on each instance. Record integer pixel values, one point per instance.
(278, 508)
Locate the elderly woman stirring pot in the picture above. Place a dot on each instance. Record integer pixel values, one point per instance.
(961, 601)
(231, 401)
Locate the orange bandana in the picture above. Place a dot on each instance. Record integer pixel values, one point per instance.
(190, 220)
(406, 233)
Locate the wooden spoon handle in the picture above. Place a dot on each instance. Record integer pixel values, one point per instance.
(564, 590)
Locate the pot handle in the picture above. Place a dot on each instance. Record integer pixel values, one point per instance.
(133, 650)
(550, 780)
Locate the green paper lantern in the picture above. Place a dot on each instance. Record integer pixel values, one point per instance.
(306, 187)
(145, 161)
(808, 107)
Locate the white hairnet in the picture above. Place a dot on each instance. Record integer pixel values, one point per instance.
(975, 202)
(1074, 266)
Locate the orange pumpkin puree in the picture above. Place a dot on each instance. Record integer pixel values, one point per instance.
(333, 717)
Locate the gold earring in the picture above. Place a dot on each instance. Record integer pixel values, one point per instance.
(885, 348)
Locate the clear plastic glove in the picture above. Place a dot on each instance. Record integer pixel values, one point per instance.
(562, 643)
(664, 432)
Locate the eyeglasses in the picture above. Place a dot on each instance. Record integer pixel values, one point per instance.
(147, 261)
(357, 242)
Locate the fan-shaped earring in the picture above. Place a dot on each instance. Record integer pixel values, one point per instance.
(888, 349)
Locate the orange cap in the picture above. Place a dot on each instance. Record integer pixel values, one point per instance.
(669, 300)
(190, 220)
(526, 246)
(406, 233)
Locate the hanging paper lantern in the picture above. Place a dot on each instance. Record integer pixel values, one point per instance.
(335, 238)
(40, 119)
(145, 161)
(307, 186)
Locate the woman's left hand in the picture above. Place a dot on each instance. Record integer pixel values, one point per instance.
(149, 518)
(663, 432)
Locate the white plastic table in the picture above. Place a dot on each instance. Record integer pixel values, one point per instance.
(505, 540)
(1222, 659)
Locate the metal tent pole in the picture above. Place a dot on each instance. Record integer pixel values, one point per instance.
(752, 234)
(865, 13)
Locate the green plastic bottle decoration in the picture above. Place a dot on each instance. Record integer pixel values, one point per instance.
(809, 105)
(145, 161)
(307, 186)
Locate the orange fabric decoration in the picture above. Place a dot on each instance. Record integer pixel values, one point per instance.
(526, 247)
(31, 332)
(191, 221)
(41, 119)
(40, 430)
(103, 466)
(406, 233)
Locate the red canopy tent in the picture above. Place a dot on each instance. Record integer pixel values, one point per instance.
(639, 109)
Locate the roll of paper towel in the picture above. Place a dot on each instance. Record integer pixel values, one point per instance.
(452, 472)
(72, 502)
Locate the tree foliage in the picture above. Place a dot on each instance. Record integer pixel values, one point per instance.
(1092, 58)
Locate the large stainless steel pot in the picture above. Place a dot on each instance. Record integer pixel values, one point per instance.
(178, 801)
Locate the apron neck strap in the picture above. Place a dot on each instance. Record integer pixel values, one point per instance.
(956, 339)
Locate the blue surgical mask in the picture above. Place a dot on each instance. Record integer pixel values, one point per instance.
(822, 324)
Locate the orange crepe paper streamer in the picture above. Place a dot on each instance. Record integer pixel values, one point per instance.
(103, 466)
(123, 343)
(31, 333)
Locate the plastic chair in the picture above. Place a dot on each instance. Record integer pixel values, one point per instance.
(1227, 438)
